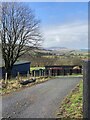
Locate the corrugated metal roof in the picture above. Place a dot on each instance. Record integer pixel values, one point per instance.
(21, 62)
(16, 63)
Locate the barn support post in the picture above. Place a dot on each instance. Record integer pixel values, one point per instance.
(34, 73)
(70, 72)
(49, 72)
(40, 73)
(44, 73)
(56, 73)
(64, 72)
(31, 74)
(86, 89)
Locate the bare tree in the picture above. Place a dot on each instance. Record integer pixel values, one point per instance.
(19, 30)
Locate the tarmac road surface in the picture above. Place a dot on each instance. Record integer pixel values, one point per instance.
(39, 101)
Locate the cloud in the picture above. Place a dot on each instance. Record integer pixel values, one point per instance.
(71, 35)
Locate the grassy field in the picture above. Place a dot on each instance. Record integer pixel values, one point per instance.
(71, 106)
(36, 68)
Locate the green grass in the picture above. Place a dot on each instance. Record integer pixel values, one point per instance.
(36, 68)
(73, 75)
(72, 105)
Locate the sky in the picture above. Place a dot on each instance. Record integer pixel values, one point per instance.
(45, 0)
(63, 24)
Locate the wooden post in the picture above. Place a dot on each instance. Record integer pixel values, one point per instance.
(34, 73)
(86, 89)
(39, 72)
(49, 72)
(28, 75)
(44, 73)
(31, 73)
(6, 78)
(18, 76)
(56, 72)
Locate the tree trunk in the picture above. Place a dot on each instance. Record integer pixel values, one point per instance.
(8, 71)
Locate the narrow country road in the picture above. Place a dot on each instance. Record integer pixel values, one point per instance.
(39, 101)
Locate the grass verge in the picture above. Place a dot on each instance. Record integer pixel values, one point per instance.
(36, 68)
(14, 85)
(71, 107)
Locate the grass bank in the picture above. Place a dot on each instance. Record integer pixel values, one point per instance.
(72, 105)
(14, 85)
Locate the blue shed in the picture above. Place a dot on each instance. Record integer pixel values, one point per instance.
(22, 67)
(0, 72)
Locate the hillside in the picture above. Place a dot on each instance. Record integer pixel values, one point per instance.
(53, 56)
(62, 56)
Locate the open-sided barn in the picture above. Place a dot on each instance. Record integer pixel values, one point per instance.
(63, 70)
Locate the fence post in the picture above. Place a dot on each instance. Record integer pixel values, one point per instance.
(5, 78)
(28, 75)
(18, 76)
(86, 89)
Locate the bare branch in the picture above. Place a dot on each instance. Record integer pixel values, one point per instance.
(19, 30)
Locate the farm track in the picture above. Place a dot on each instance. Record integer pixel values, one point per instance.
(39, 101)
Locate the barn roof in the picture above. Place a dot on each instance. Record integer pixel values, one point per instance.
(21, 62)
(16, 63)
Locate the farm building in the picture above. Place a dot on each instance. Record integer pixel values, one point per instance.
(23, 67)
(63, 70)
(40, 72)
(58, 70)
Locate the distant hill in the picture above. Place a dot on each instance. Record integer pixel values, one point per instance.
(84, 50)
(60, 51)
(56, 48)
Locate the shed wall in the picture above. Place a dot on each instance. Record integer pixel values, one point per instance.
(21, 68)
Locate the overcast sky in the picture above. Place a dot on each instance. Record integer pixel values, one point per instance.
(63, 24)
